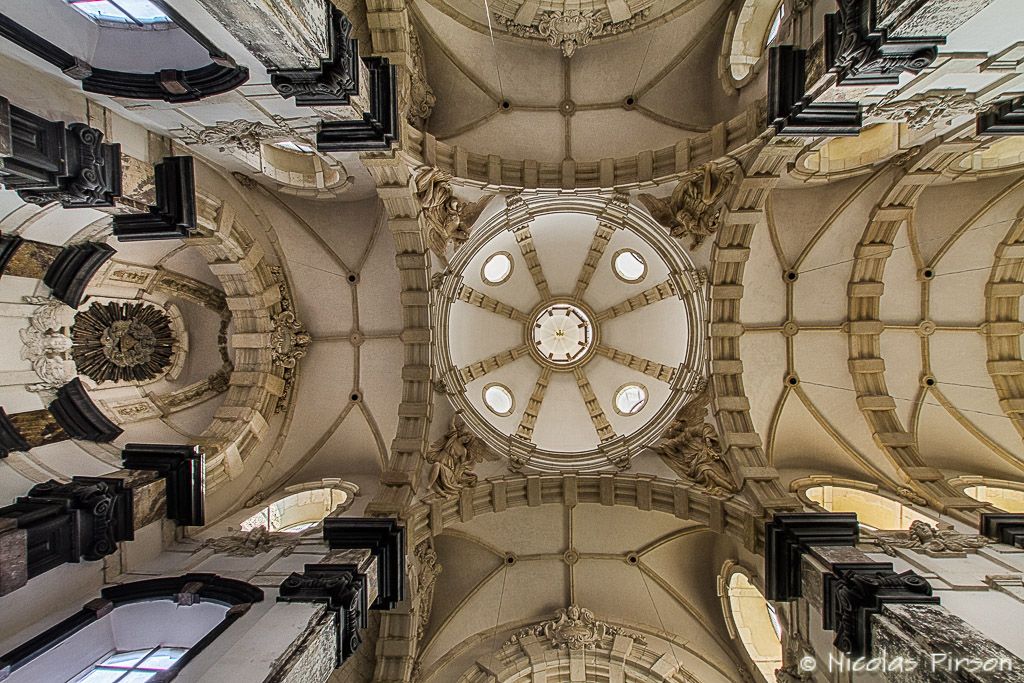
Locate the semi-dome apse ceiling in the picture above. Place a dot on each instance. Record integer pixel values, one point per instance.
(539, 340)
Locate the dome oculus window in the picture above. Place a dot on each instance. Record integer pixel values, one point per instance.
(630, 399)
(629, 266)
(773, 30)
(128, 13)
(136, 665)
(498, 399)
(497, 268)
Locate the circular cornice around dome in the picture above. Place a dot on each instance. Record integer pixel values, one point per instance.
(519, 332)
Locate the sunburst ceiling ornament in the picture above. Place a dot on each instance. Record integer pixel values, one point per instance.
(122, 342)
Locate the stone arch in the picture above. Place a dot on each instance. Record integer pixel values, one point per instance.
(745, 40)
(749, 617)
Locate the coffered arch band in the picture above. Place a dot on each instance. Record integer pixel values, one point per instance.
(684, 279)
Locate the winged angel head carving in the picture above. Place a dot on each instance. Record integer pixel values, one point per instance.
(695, 207)
(448, 218)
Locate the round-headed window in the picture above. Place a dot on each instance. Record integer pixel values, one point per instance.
(498, 399)
(757, 625)
(497, 268)
(630, 399)
(629, 265)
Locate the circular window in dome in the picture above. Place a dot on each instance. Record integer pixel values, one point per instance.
(497, 268)
(498, 399)
(630, 399)
(629, 266)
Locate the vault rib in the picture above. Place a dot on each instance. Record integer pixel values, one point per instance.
(482, 367)
(602, 236)
(662, 290)
(663, 373)
(533, 405)
(481, 300)
(604, 429)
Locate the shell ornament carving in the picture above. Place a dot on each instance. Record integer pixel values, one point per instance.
(121, 342)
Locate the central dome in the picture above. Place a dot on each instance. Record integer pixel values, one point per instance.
(562, 335)
(537, 322)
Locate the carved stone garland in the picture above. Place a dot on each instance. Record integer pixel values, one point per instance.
(238, 134)
(691, 447)
(924, 109)
(574, 628)
(252, 543)
(121, 342)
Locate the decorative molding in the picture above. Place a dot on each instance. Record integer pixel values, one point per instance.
(940, 540)
(453, 457)
(385, 539)
(923, 109)
(1003, 118)
(252, 543)
(1003, 528)
(421, 95)
(691, 447)
(694, 210)
(789, 535)
(379, 127)
(289, 339)
(170, 85)
(449, 219)
(72, 269)
(343, 589)
(184, 470)
(337, 79)
(47, 161)
(574, 628)
(570, 29)
(79, 417)
(241, 134)
(790, 112)
(46, 343)
(861, 53)
(855, 592)
(174, 214)
(427, 570)
(122, 342)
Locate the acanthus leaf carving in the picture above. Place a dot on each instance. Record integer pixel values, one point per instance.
(238, 134)
(574, 628)
(691, 447)
(941, 540)
(570, 29)
(453, 457)
(448, 218)
(428, 569)
(421, 95)
(695, 207)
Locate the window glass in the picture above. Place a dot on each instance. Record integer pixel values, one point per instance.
(131, 12)
(630, 399)
(873, 511)
(497, 268)
(499, 399)
(773, 31)
(297, 512)
(131, 667)
(629, 265)
(292, 146)
(757, 625)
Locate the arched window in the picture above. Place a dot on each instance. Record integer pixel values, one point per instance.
(138, 49)
(873, 511)
(755, 623)
(1009, 500)
(298, 169)
(749, 32)
(302, 510)
(134, 632)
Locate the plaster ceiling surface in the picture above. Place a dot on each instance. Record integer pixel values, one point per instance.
(644, 571)
(523, 99)
(497, 333)
(797, 339)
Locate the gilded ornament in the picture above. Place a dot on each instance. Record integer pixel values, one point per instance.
(122, 342)
(695, 207)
